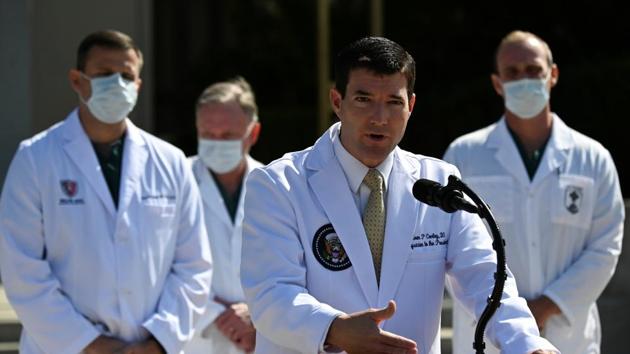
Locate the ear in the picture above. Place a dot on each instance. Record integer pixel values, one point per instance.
(335, 100)
(255, 133)
(555, 75)
(412, 103)
(497, 84)
(74, 76)
(139, 83)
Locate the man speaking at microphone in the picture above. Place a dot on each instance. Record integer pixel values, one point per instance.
(332, 234)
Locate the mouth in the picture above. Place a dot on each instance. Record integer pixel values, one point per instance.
(376, 137)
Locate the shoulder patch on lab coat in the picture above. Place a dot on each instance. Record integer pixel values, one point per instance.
(328, 249)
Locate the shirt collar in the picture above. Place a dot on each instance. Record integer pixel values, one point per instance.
(355, 171)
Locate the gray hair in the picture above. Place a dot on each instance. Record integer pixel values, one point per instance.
(237, 89)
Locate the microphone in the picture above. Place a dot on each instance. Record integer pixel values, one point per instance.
(444, 197)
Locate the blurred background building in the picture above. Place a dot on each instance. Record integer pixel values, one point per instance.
(284, 48)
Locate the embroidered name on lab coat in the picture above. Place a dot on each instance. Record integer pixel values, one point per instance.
(429, 240)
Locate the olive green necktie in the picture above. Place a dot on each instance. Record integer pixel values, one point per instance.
(374, 218)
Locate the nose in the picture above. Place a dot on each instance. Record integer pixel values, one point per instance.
(379, 115)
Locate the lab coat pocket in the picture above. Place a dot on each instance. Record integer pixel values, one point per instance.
(572, 201)
(160, 213)
(497, 192)
(428, 254)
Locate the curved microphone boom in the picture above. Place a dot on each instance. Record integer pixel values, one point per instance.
(450, 198)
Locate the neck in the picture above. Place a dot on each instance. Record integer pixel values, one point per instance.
(232, 180)
(98, 131)
(532, 133)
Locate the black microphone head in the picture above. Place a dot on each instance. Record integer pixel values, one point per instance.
(424, 190)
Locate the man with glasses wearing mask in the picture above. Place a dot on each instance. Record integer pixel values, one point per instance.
(102, 241)
(227, 127)
(556, 197)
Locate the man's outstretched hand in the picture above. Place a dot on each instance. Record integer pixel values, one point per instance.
(359, 333)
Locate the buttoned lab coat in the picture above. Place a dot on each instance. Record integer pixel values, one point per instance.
(563, 229)
(293, 298)
(74, 267)
(225, 243)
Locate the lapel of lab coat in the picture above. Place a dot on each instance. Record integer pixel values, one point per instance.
(507, 153)
(330, 186)
(135, 156)
(556, 152)
(251, 164)
(402, 213)
(78, 147)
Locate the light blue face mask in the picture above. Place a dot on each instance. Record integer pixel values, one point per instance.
(112, 97)
(222, 156)
(526, 97)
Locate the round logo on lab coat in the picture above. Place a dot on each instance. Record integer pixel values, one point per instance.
(328, 249)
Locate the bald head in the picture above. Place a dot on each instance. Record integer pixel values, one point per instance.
(523, 39)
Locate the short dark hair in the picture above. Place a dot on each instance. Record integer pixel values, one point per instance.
(376, 54)
(109, 39)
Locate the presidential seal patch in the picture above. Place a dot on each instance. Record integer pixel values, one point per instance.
(328, 249)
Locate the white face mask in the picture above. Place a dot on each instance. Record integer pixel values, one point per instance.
(222, 156)
(526, 97)
(112, 98)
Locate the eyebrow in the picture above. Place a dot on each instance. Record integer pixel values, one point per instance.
(365, 93)
(362, 93)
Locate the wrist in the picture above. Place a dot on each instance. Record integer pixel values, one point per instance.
(332, 336)
(155, 345)
(550, 306)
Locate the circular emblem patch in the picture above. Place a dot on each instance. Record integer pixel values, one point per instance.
(328, 249)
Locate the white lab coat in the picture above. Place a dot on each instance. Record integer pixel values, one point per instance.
(225, 240)
(565, 252)
(293, 298)
(75, 267)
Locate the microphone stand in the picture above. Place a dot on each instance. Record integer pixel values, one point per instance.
(498, 244)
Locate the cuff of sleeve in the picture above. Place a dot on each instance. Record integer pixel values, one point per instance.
(528, 344)
(567, 314)
(213, 310)
(162, 335)
(83, 341)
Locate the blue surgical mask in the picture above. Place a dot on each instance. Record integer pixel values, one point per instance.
(526, 97)
(222, 156)
(112, 97)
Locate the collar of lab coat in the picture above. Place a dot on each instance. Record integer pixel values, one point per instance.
(211, 195)
(79, 148)
(554, 156)
(329, 184)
